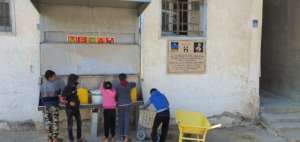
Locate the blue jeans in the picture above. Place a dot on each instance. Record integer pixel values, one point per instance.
(123, 116)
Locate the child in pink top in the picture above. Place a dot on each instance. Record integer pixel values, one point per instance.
(109, 105)
(108, 95)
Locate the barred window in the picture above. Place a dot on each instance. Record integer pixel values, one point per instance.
(183, 17)
(5, 19)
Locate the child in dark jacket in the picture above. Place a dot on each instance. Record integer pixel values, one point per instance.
(72, 107)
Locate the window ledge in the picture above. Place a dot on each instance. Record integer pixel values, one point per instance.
(184, 38)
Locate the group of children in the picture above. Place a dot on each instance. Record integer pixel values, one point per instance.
(115, 99)
(53, 92)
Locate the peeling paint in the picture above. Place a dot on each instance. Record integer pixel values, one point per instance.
(228, 119)
(27, 125)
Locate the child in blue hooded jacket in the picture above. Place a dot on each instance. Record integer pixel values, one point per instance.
(161, 105)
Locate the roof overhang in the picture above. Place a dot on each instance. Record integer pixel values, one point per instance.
(140, 5)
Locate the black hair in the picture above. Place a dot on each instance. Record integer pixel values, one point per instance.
(122, 76)
(73, 80)
(152, 90)
(107, 85)
(49, 74)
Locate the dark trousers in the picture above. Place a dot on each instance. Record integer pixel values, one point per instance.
(109, 122)
(70, 114)
(163, 119)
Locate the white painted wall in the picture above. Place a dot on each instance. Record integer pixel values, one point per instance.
(231, 82)
(19, 60)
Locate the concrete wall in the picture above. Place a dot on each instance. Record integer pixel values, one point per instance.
(19, 60)
(58, 21)
(20, 51)
(280, 48)
(88, 19)
(90, 59)
(99, 21)
(231, 82)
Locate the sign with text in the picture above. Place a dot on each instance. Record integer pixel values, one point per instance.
(90, 39)
(186, 57)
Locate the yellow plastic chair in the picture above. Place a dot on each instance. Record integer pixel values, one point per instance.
(193, 126)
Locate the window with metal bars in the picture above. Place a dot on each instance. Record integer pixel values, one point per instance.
(5, 20)
(183, 17)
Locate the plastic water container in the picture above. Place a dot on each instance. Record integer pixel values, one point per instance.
(96, 97)
(83, 95)
(134, 95)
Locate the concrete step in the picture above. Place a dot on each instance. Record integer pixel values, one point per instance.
(287, 117)
(281, 109)
(281, 116)
(293, 135)
(279, 123)
(278, 126)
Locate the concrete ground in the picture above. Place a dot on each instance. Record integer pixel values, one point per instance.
(243, 134)
(248, 133)
(281, 116)
(237, 134)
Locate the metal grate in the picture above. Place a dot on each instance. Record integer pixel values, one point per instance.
(181, 17)
(4, 14)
